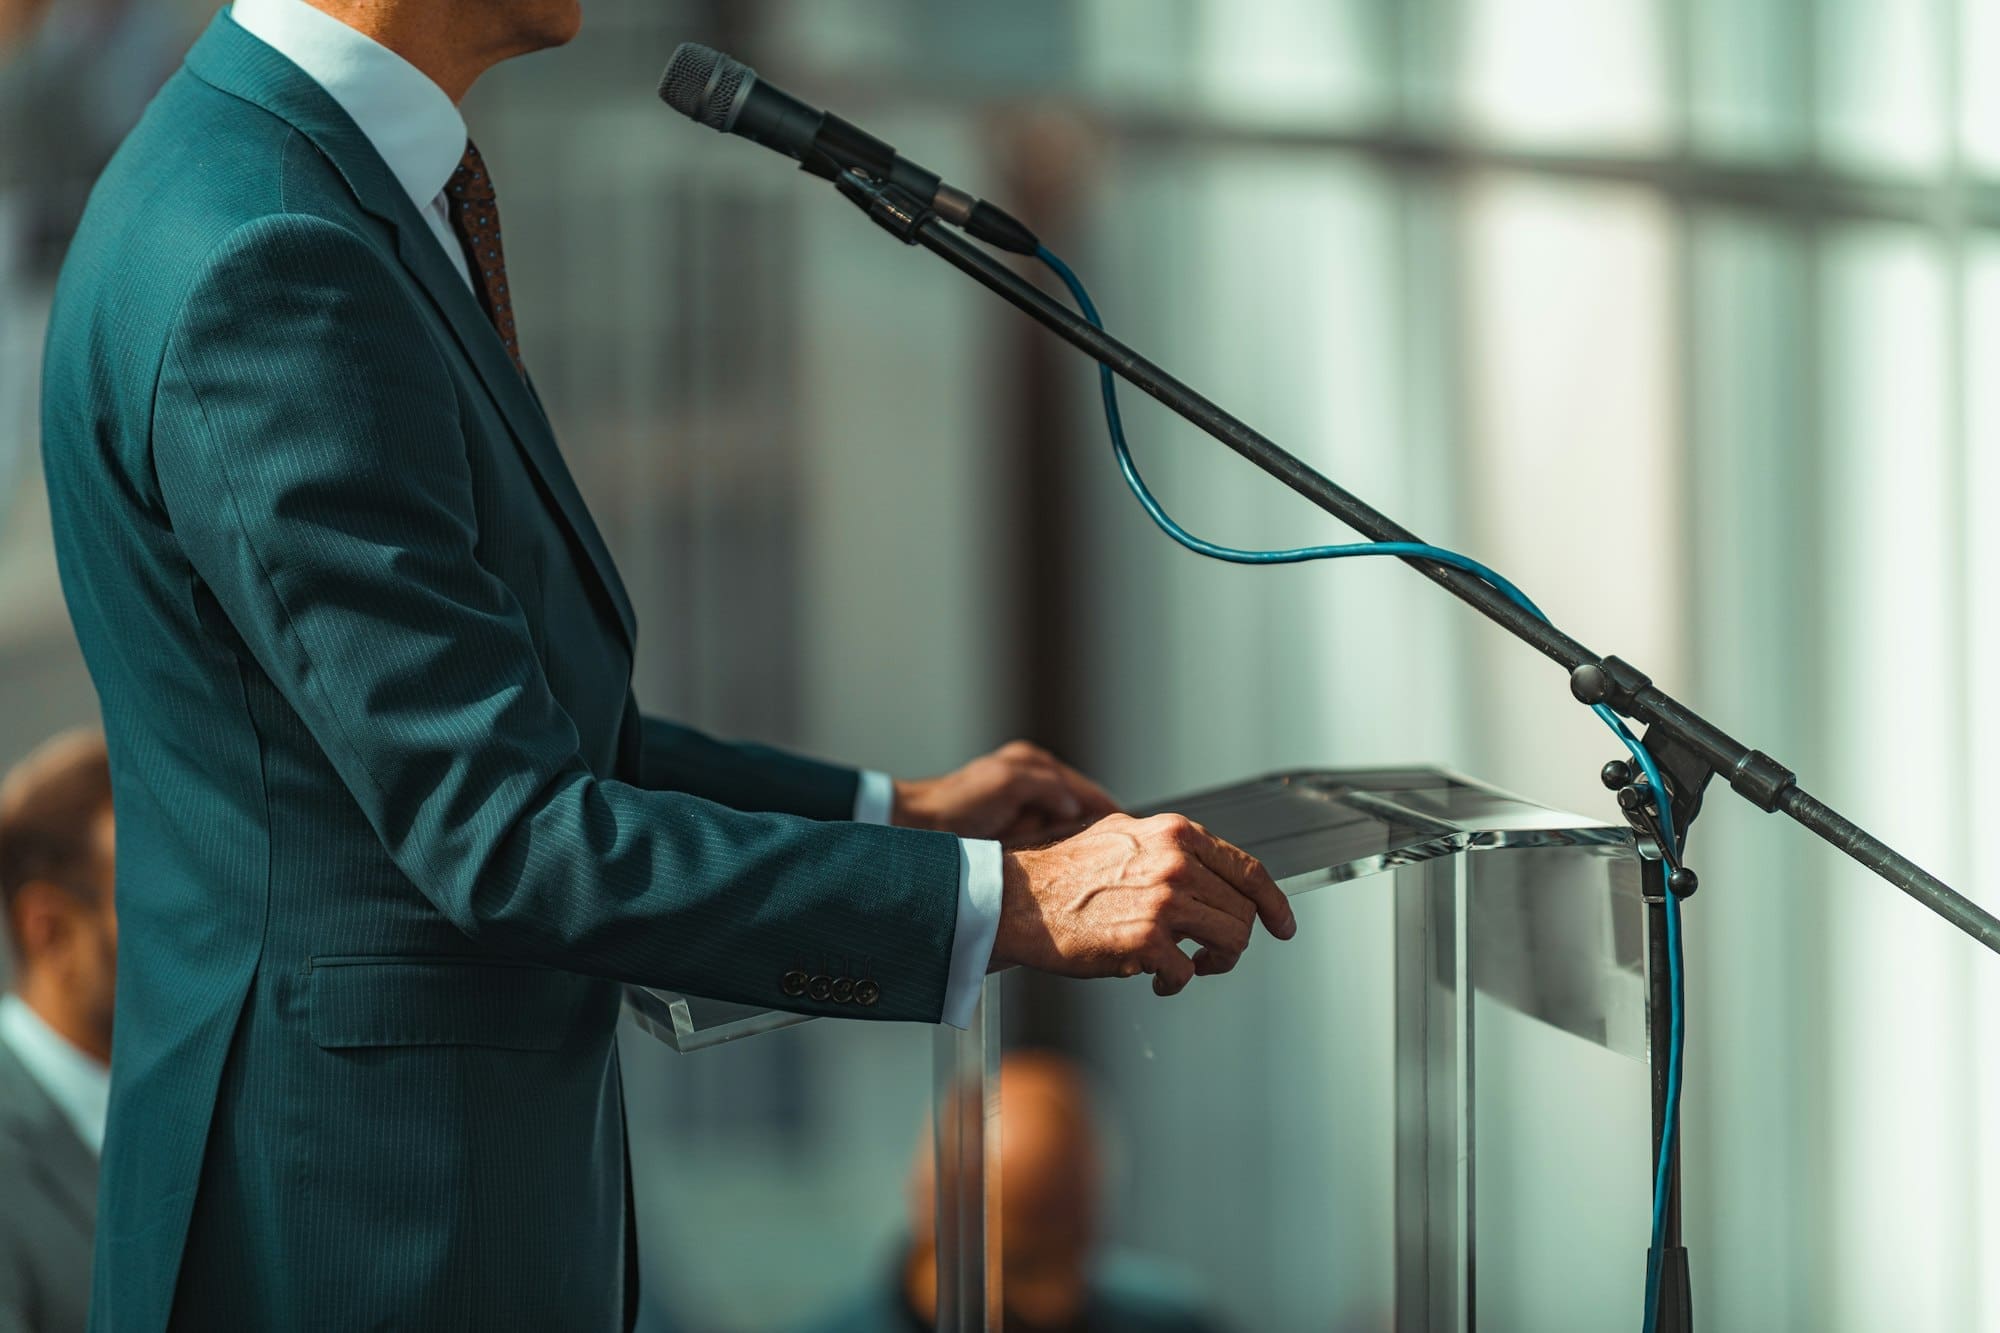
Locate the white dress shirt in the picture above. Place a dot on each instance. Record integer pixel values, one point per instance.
(417, 130)
(78, 1085)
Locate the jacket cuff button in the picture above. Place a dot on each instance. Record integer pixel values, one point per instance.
(794, 984)
(843, 990)
(866, 992)
(819, 988)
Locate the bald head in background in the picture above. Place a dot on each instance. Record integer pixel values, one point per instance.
(1050, 1181)
(1054, 1273)
(17, 19)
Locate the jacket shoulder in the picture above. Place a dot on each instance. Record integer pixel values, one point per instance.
(203, 171)
(201, 165)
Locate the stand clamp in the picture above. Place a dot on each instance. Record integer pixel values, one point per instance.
(1618, 685)
(893, 209)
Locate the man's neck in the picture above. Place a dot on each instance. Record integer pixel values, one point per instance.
(63, 1017)
(425, 35)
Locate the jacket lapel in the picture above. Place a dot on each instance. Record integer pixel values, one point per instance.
(233, 61)
(476, 335)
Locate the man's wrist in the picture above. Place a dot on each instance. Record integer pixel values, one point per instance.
(1016, 894)
(908, 806)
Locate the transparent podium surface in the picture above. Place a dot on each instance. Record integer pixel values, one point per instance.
(1431, 1108)
(690, 1023)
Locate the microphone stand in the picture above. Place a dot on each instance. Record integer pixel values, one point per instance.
(1689, 749)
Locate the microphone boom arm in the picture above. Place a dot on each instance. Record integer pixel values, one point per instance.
(1754, 775)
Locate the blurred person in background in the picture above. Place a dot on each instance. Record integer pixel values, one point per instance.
(74, 76)
(397, 825)
(1056, 1277)
(56, 871)
(17, 19)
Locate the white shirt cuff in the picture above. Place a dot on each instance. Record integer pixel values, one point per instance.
(875, 798)
(979, 881)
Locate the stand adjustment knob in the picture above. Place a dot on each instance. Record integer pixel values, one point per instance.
(1615, 775)
(1682, 883)
(1589, 684)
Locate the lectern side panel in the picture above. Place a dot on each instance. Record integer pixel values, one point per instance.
(1560, 934)
(1433, 1099)
(1561, 1109)
(1247, 1124)
(965, 1122)
(773, 1177)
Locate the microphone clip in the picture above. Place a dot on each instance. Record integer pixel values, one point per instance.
(894, 210)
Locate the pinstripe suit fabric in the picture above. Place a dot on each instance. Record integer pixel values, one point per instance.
(391, 828)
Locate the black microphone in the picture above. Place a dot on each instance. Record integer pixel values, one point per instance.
(726, 95)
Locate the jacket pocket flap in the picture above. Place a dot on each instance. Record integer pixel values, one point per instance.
(441, 1002)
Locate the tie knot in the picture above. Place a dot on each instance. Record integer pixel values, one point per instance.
(470, 181)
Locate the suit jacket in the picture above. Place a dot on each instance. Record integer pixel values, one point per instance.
(47, 1206)
(390, 827)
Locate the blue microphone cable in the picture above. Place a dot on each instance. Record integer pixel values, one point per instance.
(1114, 422)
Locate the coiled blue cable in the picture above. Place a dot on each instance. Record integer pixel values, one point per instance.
(1114, 421)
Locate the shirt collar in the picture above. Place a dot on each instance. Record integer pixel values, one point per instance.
(411, 122)
(78, 1085)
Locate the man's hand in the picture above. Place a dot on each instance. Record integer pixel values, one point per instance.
(1117, 900)
(1019, 794)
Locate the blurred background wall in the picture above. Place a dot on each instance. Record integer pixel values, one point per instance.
(1674, 310)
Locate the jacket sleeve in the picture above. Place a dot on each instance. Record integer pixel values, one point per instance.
(673, 757)
(308, 446)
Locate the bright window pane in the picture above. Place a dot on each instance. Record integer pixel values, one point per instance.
(1982, 614)
(1748, 79)
(1902, 1255)
(1882, 84)
(1289, 61)
(1554, 74)
(1571, 478)
(1979, 84)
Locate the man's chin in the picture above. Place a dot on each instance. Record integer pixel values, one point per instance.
(538, 25)
(565, 22)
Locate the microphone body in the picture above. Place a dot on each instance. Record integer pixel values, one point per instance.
(770, 116)
(727, 96)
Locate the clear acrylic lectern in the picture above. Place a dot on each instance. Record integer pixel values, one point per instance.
(1434, 1101)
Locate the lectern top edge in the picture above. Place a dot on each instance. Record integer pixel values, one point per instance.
(1311, 827)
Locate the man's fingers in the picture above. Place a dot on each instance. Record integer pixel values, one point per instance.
(1172, 971)
(1210, 962)
(1192, 918)
(1097, 802)
(1246, 874)
(1216, 892)
(1031, 779)
(1043, 787)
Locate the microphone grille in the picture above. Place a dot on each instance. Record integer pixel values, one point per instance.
(701, 83)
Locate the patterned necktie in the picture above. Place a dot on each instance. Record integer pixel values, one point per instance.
(475, 216)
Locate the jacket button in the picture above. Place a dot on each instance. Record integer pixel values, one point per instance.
(866, 992)
(819, 987)
(843, 990)
(794, 984)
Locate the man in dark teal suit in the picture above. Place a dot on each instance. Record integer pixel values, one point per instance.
(391, 828)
